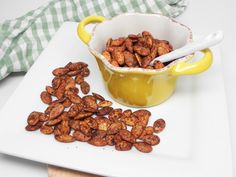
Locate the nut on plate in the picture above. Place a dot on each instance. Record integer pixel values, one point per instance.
(91, 118)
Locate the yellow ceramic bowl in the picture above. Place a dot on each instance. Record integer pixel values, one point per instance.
(140, 87)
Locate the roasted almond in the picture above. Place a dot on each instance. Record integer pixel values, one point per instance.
(46, 97)
(159, 125)
(65, 138)
(143, 147)
(60, 71)
(104, 103)
(85, 88)
(56, 111)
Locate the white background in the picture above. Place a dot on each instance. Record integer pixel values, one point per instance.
(202, 16)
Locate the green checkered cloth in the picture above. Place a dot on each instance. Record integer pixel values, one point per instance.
(23, 39)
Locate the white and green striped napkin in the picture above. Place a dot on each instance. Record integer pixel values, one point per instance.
(23, 39)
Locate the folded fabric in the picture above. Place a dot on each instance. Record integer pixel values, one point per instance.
(23, 39)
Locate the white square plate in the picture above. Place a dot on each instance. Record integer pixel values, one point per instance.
(195, 142)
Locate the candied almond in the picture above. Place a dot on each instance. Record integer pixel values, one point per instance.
(130, 59)
(34, 127)
(117, 42)
(97, 141)
(107, 55)
(103, 123)
(83, 114)
(65, 138)
(46, 97)
(56, 111)
(146, 61)
(73, 73)
(47, 130)
(70, 83)
(77, 66)
(90, 101)
(118, 56)
(127, 136)
(164, 47)
(74, 98)
(127, 112)
(104, 111)
(79, 79)
(114, 128)
(143, 116)
(50, 90)
(85, 72)
(143, 51)
(75, 90)
(66, 103)
(123, 146)
(43, 117)
(92, 123)
(74, 110)
(59, 93)
(64, 127)
(64, 116)
(74, 124)
(137, 130)
(115, 114)
(85, 129)
(129, 45)
(53, 122)
(143, 147)
(159, 125)
(33, 118)
(98, 97)
(85, 88)
(99, 133)
(110, 140)
(151, 139)
(130, 121)
(104, 103)
(79, 136)
(60, 71)
(148, 41)
(117, 138)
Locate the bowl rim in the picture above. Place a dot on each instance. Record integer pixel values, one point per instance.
(140, 70)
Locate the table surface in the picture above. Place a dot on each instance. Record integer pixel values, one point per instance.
(202, 16)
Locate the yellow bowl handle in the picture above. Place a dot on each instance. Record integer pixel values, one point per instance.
(203, 64)
(82, 33)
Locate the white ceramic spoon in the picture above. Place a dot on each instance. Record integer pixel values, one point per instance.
(208, 41)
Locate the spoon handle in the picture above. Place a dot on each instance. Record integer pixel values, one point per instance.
(208, 41)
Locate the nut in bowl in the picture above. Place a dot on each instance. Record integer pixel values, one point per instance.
(141, 86)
